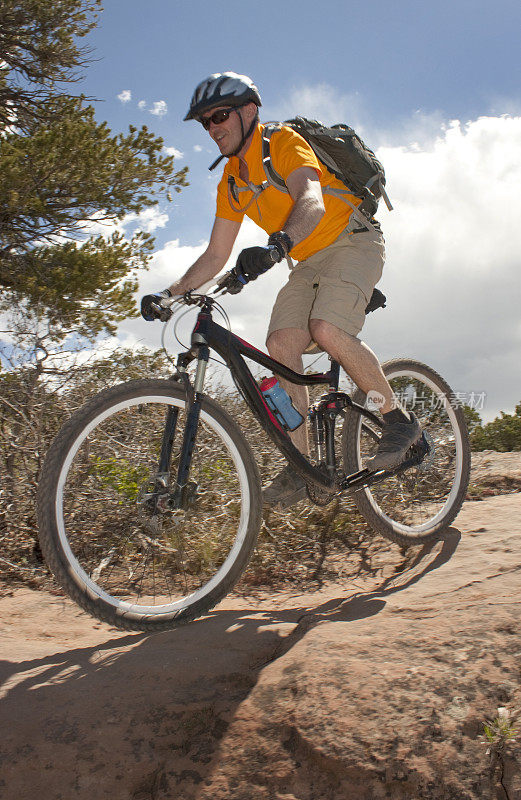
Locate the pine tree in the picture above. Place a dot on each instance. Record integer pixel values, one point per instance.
(60, 170)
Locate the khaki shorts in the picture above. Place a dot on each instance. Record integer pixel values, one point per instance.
(335, 285)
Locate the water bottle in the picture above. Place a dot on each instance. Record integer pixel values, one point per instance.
(280, 403)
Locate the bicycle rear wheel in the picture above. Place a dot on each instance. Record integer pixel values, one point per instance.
(417, 505)
(120, 560)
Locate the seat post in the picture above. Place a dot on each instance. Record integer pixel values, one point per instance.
(334, 373)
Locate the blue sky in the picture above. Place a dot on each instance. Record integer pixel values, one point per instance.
(433, 87)
(453, 58)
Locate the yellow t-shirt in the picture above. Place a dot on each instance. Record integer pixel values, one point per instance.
(270, 210)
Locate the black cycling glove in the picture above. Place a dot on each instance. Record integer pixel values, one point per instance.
(253, 261)
(148, 302)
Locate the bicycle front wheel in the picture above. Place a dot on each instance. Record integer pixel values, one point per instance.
(417, 505)
(121, 558)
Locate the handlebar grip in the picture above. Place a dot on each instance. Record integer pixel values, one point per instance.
(233, 281)
(161, 312)
(167, 302)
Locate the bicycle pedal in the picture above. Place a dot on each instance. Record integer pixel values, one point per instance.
(428, 450)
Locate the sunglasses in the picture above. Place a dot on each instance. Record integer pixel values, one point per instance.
(217, 117)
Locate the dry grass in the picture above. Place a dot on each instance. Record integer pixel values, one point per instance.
(304, 545)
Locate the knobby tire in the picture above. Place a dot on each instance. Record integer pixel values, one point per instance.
(124, 566)
(419, 505)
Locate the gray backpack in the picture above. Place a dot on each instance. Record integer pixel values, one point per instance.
(344, 154)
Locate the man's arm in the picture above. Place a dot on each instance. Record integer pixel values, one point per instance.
(308, 209)
(305, 190)
(211, 262)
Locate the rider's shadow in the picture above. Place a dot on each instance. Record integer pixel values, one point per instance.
(362, 605)
(414, 572)
(136, 708)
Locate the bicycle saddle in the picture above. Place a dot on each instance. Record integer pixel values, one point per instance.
(378, 300)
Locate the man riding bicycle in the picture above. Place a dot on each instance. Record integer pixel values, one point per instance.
(339, 260)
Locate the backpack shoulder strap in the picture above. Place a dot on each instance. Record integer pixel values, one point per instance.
(234, 191)
(272, 176)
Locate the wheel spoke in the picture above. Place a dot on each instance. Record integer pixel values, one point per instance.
(414, 505)
(138, 564)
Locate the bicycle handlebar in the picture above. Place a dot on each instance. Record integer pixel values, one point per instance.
(231, 282)
(163, 307)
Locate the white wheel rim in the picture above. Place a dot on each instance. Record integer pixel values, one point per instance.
(426, 527)
(123, 608)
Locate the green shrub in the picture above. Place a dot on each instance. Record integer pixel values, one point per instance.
(502, 434)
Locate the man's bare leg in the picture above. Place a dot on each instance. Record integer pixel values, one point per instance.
(401, 430)
(358, 360)
(287, 346)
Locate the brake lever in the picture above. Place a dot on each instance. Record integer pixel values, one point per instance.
(230, 284)
(163, 313)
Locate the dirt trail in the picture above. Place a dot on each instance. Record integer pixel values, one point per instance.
(373, 690)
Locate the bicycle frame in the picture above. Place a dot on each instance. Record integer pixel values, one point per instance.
(207, 335)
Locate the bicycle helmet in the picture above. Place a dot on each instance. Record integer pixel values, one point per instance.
(222, 89)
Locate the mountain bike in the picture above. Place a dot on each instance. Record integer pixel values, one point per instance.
(150, 502)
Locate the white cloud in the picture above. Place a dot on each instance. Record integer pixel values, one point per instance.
(418, 132)
(148, 220)
(453, 244)
(125, 96)
(173, 151)
(453, 250)
(159, 108)
(142, 105)
(320, 101)
(198, 148)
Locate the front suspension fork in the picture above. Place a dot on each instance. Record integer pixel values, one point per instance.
(184, 491)
(158, 497)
